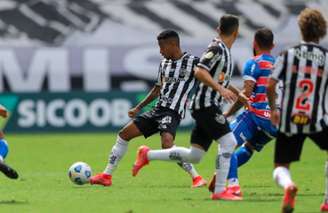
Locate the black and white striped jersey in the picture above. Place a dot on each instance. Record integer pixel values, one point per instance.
(303, 70)
(177, 80)
(218, 62)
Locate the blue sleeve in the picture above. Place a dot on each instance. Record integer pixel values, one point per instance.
(250, 70)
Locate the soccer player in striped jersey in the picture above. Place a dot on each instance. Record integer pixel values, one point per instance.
(252, 128)
(5, 168)
(174, 84)
(214, 71)
(303, 70)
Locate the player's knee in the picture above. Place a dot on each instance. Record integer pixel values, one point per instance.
(124, 134)
(167, 144)
(167, 140)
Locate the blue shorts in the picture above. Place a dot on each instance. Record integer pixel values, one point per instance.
(3, 148)
(249, 127)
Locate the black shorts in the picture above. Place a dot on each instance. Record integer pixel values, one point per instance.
(210, 125)
(159, 119)
(289, 148)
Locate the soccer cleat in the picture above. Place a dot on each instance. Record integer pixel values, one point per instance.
(8, 171)
(289, 199)
(225, 195)
(101, 179)
(235, 189)
(324, 207)
(198, 181)
(211, 185)
(141, 159)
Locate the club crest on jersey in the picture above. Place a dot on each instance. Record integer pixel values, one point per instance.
(209, 55)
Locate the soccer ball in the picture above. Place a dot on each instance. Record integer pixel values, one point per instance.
(79, 173)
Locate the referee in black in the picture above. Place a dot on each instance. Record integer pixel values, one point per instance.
(303, 70)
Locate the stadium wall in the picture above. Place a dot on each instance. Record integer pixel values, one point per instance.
(97, 49)
(71, 111)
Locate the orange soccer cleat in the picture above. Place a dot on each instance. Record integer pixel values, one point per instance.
(226, 195)
(141, 159)
(198, 181)
(101, 179)
(235, 189)
(324, 207)
(288, 203)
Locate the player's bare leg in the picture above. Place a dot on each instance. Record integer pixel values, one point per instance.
(197, 180)
(119, 149)
(282, 177)
(324, 205)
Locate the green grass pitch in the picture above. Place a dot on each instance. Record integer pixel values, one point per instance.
(43, 186)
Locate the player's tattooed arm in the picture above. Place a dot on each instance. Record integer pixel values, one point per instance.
(152, 95)
(203, 75)
(243, 97)
(271, 92)
(240, 94)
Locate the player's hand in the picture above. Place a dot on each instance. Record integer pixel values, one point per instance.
(3, 111)
(133, 112)
(243, 99)
(228, 95)
(225, 114)
(275, 117)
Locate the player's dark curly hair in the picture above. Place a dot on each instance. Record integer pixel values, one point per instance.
(312, 24)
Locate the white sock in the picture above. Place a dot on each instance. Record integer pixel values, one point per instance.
(282, 177)
(326, 191)
(189, 168)
(233, 182)
(192, 155)
(118, 151)
(226, 147)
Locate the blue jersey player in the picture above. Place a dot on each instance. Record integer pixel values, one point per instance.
(4, 168)
(252, 128)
